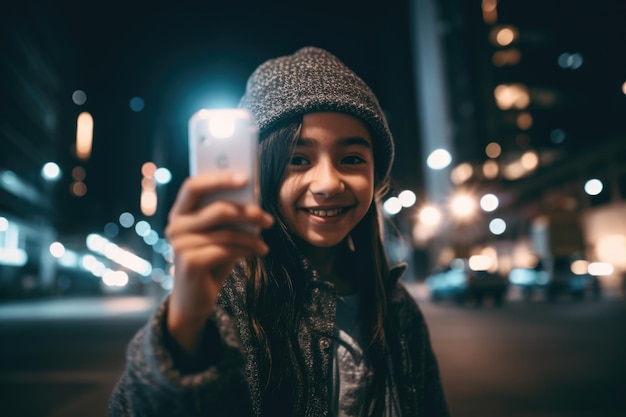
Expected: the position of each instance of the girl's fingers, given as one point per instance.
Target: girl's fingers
(214, 255)
(199, 274)
(208, 262)
(194, 188)
(218, 215)
(231, 238)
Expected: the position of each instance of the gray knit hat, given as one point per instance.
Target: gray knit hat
(314, 80)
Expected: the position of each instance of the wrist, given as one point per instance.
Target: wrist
(195, 354)
(185, 327)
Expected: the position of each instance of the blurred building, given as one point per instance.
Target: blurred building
(47, 209)
(36, 67)
(531, 100)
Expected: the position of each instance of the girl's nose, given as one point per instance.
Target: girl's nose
(326, 180)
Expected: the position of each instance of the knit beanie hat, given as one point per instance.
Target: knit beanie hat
(314, 80)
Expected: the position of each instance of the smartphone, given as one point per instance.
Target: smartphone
(225, 140)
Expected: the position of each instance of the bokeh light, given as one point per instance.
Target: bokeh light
(461, 173)
(79, 97)
(505, 36)
(162, 175)
(489, 202)
(136, 104)
(558, 136)
(497, 226)
(142, 228)
(78, 188)
(462, 206)
(512, 96)
(439, 159)
(51, 171)
(127, 220)
(148, 169)
(593, 186)
(407, 198)
(392, 206)
(57, 249)
(78, 173)
(493, 150)
(570, 60)
(111, 229)
(430, 215)
(491, 169)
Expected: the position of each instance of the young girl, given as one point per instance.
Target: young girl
(307, 318)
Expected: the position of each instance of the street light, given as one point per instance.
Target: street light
(51, 171)
(489, 202)
(430, 215)
(462, 206)
(593, 186)
(407, 198)
(439, 159)
(392, 206)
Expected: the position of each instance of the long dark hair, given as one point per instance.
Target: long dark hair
(275, 290)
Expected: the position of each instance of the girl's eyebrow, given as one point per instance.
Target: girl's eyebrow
(343, 142)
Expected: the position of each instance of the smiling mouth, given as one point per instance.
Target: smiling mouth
(326, 213)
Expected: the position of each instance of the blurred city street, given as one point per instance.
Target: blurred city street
(62, 357)
(508, 196)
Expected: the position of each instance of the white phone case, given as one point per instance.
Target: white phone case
(225, 140)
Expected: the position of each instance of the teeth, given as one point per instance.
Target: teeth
(326, 213)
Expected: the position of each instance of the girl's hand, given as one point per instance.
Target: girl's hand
(206, 247)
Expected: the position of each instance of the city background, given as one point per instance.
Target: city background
(509, 182)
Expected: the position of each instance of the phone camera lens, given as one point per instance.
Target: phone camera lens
(222, 161)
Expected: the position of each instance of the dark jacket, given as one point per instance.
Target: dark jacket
(156, 384)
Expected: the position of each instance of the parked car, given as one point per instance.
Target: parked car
(463, 285)
(553, 278)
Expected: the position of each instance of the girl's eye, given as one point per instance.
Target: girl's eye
(353, 159)
(299, 160)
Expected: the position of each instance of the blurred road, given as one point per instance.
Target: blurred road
(565, 359)
(62, 357)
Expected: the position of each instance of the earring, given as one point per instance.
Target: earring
(351, 243)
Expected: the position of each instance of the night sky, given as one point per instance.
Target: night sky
(181, 56)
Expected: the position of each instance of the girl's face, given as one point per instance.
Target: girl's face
(329, 184)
